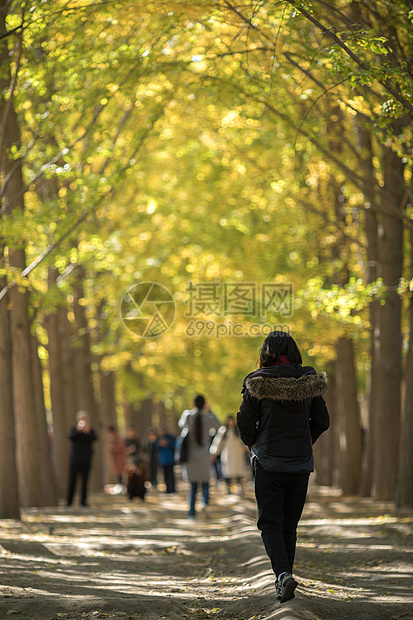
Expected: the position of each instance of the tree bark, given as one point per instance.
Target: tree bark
(387, 430)
(146, 417)
(404, 494)
(9, 497)
(325, 448)
(131, 416)
(60, 425)
(372, 273)
(108, 416)
(67, 362)
(348, 413)
(28, 449)
(163, 418)
(49, 492)
(85, 392)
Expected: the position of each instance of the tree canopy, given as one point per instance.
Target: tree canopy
(218, 149)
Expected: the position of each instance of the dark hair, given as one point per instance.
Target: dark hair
(227, 428)
(199, 401)
(277, 344)
(198, 428)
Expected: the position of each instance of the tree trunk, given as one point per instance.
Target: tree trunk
(108, 415)
(67, 362)
(131, 416)
(85, 393)
(372, 272)
(404, 495)
(49, 492)
(387, 430)
(348, 413)
(60, 425)
(9, 498)
(146, 415)
(28, 450)
(324, 448)
(163, 418)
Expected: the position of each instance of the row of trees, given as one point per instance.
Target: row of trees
(214, 143)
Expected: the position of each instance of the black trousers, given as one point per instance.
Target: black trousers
(280, 500)
(169, 477)
(77, 468)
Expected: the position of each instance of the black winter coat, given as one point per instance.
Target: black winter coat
(81, 451)
(282, 414)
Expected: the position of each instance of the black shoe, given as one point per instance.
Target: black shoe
(285, 588)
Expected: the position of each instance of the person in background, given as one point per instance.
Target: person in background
(82, 437)
(281, 415)
(197, 470)
(229, 446)
(165, 446)
(137, 477)
(118, 453)
(132, 444)
(150, 454)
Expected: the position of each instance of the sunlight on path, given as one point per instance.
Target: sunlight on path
(147, 560)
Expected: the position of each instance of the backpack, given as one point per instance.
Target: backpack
(182, 447)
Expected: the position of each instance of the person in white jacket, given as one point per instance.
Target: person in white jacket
(228, 445)
(197, 470)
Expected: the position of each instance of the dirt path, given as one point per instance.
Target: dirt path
(146, 560)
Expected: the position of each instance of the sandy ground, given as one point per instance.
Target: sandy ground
(122, 559)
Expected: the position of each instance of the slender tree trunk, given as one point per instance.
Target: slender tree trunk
(332, 448)
(108, 416)
(85, 392)
(28, 456)
(163, 418)
(131, 416)
(372, 272)
(387, 431)
(67, 363)
(29, 452)
(60, 425)
(107, 397)
(146, 415)
(28, 449)
(348, 412)
(49, 492)
(9, 497)
(404, 495)
(324, 448)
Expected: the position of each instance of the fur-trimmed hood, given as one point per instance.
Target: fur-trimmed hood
(308, 384)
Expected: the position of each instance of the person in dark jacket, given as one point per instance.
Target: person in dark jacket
(165, 446)
(281, 415)
(82, 437)
(150, 455)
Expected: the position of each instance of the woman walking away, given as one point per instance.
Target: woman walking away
(199, 423)
(230, 448)
(282, 414)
